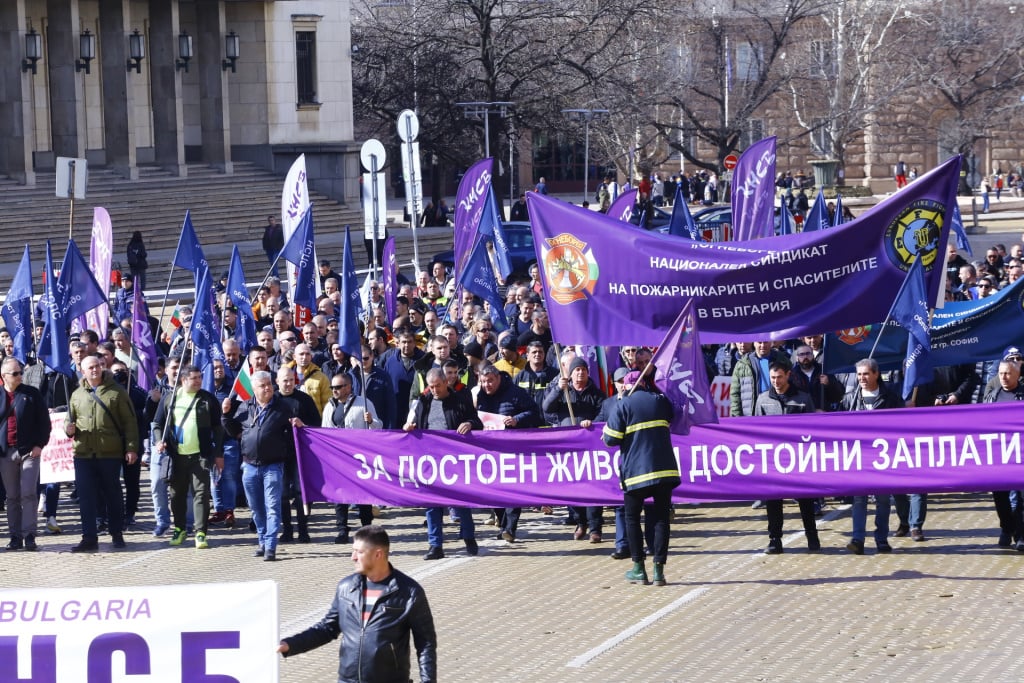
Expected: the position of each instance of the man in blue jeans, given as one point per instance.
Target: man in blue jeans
(442, 408)
(870, 394)
(263, 425)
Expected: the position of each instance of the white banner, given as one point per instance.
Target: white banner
(225, 632)
(57, 461)
(294, 202)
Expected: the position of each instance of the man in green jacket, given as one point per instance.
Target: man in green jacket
(101, 420)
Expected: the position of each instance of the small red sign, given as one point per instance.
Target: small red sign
(730, 162)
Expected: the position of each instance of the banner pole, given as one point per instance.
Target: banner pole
(565, 391)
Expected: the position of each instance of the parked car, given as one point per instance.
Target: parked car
(520, 247)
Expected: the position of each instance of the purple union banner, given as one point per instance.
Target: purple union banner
(610, 284)
(961, 448)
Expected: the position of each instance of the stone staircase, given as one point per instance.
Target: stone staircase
(226, 210)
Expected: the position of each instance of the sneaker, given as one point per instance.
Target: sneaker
(217, 518)
(471, 547)
(757, 505)
(916, 534)
(620, 554)
(435, 552)
(1020, 546)
(270, 556)
(901, 531)
(774, 547)
(51, 525)
(15, 544)
(259, 552)
(201, 543)
(178, 537)
(856, 547)
(160, 530)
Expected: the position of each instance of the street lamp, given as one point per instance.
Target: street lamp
(586, 116)
(478, 110)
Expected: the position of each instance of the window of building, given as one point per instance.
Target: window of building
(305, 67)
(823, 62)
(748, 62)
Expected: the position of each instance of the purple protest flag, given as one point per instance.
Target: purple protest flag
(351, 306)
(470, 202)
(142, 340)
(821, 454)
(681, 374)
(189, 254)
(753, 192)
(389, 278)
(817, 217)
(101, 248)
(910, 310)
(622, 208)
(682, 224)
(245, 326)
(607, 283)
(478, 278)
(299, 251)
(17, 308)
(53, 345)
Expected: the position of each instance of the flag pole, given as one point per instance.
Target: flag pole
(888, 316)
(270, 272)
(565, 391)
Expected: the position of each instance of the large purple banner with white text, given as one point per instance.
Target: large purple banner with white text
(610, 284)
(961, 448)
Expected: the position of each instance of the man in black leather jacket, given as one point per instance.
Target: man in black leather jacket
(374, 611)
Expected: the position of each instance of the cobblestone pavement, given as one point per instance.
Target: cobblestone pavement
(548, 608)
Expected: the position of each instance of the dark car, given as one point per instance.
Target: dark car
(715, 223)
(520, 247)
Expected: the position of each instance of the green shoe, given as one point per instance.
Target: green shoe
(178, 537)
(659, 574)
(638, 574)
(201, 543)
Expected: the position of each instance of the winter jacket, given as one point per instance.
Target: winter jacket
(512, 401)
(205, 411)
(30, 414)
(457, 406)
(640, 426)
(97, 432)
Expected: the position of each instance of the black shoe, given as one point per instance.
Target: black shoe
(30, 543)
(436, 552)
(471, 547)
(270, 556)
(884, 548)
(813, 545)
(1005, 541)
(259, 552)
(286, 537)
(342, 538)
(86, 547)
(252, 525)
(15, 544)
(856, 547)
(774, 547)
(620, 554)
(901, 531)
(117, 540)
(304, 538)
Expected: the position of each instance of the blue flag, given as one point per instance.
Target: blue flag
(53, 346)
(957, 225)
(837, 217)
(299, 251)
(817, 218)
(478, 278)
(205, 326)
(785, 218)
(189, 254)
(910, 310)
(682, 224)
(238, 293)
(682, 376)
(77, 289)
(490, 227)
(17, 310)
(351, 304)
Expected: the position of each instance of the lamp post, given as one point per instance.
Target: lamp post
(478, 110)
(586, 116)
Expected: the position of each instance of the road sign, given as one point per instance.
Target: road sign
(372, 151)
(408, 126)
(72, 177)
(730, 162)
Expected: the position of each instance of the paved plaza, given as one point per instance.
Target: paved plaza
(548, 608)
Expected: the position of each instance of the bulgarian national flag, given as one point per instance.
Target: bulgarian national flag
(243, 383)
(176, 317)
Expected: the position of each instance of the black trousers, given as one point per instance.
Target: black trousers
(660, 516)
(774, 510)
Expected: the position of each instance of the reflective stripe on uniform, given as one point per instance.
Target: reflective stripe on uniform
(639, 479)
(608, 431)
(650, 424)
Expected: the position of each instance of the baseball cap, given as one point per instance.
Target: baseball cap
(620, 374)
(507, 342)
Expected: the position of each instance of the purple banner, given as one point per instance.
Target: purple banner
(753, 192)
(100, 254)
(622, 208)
(610, 284)
(959, 448)
(470, 201)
